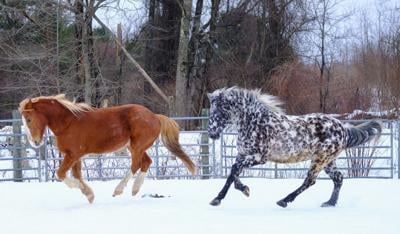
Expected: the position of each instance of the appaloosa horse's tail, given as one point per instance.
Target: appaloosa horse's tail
(170, 138)
(362, 133)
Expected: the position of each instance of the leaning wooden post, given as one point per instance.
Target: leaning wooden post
(204, 149)
(17, 147)
(130, 58)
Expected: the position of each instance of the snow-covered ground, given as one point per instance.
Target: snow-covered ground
(365, 206)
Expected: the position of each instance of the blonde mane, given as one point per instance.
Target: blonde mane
(76, 108)
(272, 102)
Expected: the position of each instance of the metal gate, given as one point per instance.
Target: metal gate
(20, 162)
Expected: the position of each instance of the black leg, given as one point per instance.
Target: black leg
(237, 168)
(309, 181)
(221, 195)
(241, 187)
(238, 184)
(337, 179)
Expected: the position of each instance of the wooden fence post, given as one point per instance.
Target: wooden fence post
(204, 149)
(17, 147)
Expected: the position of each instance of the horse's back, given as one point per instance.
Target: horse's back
(109, 129)
(316, 135)
(292, 139)
(131, 117)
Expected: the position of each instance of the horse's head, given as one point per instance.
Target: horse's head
(34, 122)
(220, 114)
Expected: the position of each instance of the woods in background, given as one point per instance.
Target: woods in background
(305, 52)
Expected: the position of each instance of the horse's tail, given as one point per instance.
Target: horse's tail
(362, 133)
(170, 138)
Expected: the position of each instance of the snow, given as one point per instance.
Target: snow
(365, 206)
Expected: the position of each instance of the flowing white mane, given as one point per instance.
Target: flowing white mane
(273, 103)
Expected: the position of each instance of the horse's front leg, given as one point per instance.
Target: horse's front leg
(77, 182)
(85, 189)
(221, 195)
(237, 168)
(66, 164)
(250, 161)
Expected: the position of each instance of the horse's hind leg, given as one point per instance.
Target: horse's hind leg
(129, 174)
(85, 189)
(140, 159)
(337, 179)
(122, 184)
(309, 181)
(145, 164)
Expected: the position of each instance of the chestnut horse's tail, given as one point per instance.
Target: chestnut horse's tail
(170, 138)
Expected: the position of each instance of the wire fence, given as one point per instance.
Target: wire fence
(20, 162)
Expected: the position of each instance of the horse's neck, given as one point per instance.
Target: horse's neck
(243, 108)
(57, 116)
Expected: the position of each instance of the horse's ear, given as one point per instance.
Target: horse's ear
(209, 95)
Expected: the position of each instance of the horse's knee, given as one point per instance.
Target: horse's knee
(243, 188)
(238, 185)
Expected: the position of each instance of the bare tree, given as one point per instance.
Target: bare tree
(326, 36)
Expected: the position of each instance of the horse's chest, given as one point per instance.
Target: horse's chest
(251, 141)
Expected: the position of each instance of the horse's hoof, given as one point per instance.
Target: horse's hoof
(328, 204)
(134, 192)
(90, 198)
(282, 203)
(215, 202)
(117, 192)
(246, 191)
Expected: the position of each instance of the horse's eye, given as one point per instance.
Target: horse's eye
(28, 120)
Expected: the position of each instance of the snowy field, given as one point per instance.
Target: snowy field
(365, 206)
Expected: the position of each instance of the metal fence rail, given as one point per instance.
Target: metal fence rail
(19, 162)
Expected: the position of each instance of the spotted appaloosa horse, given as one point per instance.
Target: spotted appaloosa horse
(80, 129)
(265, 133)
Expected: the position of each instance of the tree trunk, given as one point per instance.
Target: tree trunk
(118, 62)
(322, 67)
(80, 75)
(86, 66)
(149, 55)
(182, 99)
(195, 61)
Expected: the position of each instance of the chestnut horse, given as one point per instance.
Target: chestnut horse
(81, 129)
